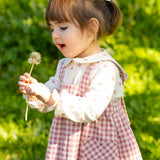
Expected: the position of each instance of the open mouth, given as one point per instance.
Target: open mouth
(61, 46)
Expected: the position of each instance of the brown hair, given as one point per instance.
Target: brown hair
(81, 11)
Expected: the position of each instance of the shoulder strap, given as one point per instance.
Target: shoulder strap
(62, 71)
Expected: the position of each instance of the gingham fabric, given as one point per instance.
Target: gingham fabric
(79, 90)
(108, 138)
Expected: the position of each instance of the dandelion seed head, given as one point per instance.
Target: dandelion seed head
(35, 57)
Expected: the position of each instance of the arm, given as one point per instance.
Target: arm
(102, 90)
(40, 95)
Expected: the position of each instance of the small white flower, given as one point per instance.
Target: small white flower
(34, 58)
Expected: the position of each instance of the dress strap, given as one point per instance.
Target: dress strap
(62, 71)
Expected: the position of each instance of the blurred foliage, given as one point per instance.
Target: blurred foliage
(135, 46)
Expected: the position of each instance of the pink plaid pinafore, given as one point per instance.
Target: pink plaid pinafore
(108, 138)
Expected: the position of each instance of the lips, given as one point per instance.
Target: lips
(60, 46)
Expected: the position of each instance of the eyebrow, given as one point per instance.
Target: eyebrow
(57, 22)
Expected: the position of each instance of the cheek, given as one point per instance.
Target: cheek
(75, 38)
(73, 43)
(52, 38)
(74, 34)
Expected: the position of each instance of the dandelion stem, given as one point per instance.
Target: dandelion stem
(26, 113)
(31, 69)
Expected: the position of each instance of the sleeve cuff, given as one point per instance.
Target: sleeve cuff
(37, 104)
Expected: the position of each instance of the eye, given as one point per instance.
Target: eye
(63, 28)
(52, 29)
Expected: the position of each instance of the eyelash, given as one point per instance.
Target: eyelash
(62, 28)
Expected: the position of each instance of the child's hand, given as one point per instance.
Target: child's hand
(23, 82)
(33, 88)
(39, 90)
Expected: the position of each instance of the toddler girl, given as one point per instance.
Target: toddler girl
(90, 121)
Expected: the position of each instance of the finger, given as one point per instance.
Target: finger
(23, 79)
(31, 79)
(22, 84)
(30, 91)
(27, 75)
(22, 90)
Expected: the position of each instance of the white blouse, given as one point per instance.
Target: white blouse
(105, 85)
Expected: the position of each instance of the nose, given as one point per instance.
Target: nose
(55, 34)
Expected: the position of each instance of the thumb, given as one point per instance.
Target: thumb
(30, 79)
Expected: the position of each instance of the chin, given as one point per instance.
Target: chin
(68, 55)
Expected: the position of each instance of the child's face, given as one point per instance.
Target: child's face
(70, 40)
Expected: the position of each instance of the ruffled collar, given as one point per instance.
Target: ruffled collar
(101, 56)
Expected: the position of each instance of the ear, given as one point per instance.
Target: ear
(94, 26)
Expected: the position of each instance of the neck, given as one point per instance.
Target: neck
(93, 49)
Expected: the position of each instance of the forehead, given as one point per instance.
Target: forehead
(57, 11)
(67, 11)
(58, 23)
(62, 11)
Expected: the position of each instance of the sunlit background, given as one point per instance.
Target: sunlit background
(136, 46)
